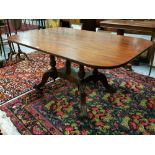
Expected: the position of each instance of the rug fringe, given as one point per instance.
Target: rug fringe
(6, 126)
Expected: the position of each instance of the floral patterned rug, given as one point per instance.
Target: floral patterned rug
(129, 111)
(18, 78)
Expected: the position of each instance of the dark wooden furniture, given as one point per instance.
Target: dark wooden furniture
(124, 25)
(97, 50)
(3, 28)
(146, 27)
(16, 24)
(2, 50)
(87, 24)
(41, 23)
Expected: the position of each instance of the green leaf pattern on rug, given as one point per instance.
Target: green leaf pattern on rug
(48, 105)
(141, 129)
(151, 127)
(93, 94)
(125, 122)
(108, 117)
(143, 103)
(123, 84)
(106, 96)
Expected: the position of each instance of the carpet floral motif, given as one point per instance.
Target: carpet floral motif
(131, 110)
(20, 77)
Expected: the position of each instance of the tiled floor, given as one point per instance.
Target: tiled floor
(142, 68)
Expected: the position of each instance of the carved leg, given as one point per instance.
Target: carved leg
(100, 77)
(19, 53)
(12, 51)
(51, 73)
(104, 81)
(81, 86)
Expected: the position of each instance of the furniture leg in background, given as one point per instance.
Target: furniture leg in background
(2, 46)
(41, 24)
(20, 52)
(2, 49)
(152, 53)
(16, 23)
(11, 45)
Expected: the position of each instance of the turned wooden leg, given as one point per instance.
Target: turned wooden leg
(101, 77)
(50, 73)
(12, 51)
(96, 76)
(81, 84)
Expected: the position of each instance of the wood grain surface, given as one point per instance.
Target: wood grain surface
(95, 49)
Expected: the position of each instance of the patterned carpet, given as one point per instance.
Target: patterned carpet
(131, 110)
(18, 78)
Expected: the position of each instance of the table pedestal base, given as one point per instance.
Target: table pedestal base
(73, 76)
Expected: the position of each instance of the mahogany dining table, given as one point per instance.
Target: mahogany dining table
(139, 26)
(86, 48)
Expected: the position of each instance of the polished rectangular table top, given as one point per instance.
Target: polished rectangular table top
(100, 50)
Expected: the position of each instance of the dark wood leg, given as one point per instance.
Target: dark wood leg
(104, 81)
(81, 86)
(96, 76)
(12, 51)
(120, 32)
(152, 52)
(13, 48)
(2, 46)
(68, 67)
(19, 53)
(51, 73)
